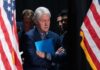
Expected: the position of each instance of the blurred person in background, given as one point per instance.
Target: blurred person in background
(62, 20)
(27, 24)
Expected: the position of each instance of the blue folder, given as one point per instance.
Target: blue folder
(45, 46)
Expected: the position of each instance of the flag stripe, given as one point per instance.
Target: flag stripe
(95, 14)
(87, 52)
(93, 23)
(10, 44)
(94, 59)
(97, 5)
(93, 51)
(1, 63)
(6, 42)
(8, 35)
(11, 35)
(92, 32)
(7, 55)
(91, 29)
(4, 58)
(91, 43)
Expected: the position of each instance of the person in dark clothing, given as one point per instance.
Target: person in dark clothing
(38, 60)
(27, 24)
(62, 20)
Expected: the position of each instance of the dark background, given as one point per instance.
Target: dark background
(55, 6)
(77, 10)
(76, 56)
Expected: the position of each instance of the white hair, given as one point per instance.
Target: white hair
(41, 11)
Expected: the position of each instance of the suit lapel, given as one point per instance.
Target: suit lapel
(37, 36)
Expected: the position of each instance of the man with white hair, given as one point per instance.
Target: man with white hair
(39, 60)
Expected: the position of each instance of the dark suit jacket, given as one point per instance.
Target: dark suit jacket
(31, 60)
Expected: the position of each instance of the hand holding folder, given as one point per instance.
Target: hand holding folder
(45, 46)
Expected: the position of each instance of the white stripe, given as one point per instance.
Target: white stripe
(96, 3)
(93, 23)
(91, 42)
(1, 64)
(8, 26)
(6, 49)
(15, 67)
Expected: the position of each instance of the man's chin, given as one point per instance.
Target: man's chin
(45, 30)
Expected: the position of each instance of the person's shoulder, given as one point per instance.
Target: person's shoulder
(30, 32)
(53, 34)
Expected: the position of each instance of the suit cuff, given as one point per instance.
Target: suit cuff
(48, 56)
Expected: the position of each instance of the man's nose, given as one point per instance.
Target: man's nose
(46, 24)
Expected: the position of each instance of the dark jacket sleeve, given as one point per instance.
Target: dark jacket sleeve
(57, 44)
(58, 58)
(30, 53)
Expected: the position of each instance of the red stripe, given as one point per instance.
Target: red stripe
(92, 31)
(17, 63)
(92, 55)
(95, 14)
(4, 58)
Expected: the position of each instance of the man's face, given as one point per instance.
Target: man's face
(62, 21)
(44, 23)
(27, 21)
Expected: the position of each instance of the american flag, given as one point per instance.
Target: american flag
(91, 35)
(9, 49)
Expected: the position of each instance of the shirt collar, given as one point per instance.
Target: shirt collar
(42, 34)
